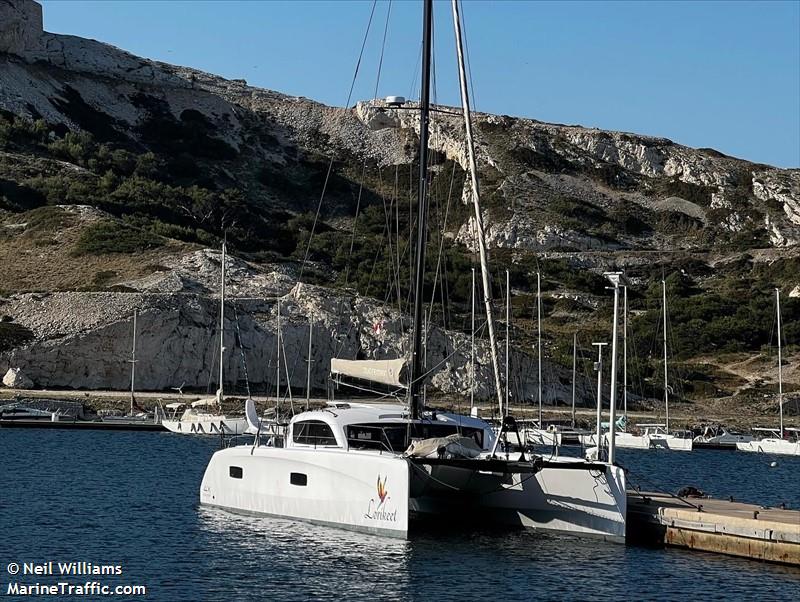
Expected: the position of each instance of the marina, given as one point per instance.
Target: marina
(400, 347)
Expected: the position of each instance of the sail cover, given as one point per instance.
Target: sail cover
(387, 372)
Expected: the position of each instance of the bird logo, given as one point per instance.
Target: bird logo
(382, 491)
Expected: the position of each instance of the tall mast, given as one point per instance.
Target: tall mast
(479, 232)
(133, 365)
(308, 372)
(615, 278)
(539, 341)
(599, 367)
(625, 355)
(574, 370)
(780, 367)
(472, 348)
(422, 211)
(508, 338)
(666, 382)
(221, 324)
(278, 353)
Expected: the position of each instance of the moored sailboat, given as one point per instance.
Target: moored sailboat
(205, 416)
(781, 440)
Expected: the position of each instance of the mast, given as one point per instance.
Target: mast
(472, 348)
(539, 341)
(614, 277)
(422, 211)
(574, 370)
(666, 382)
(308, 372)
(133, 365)
(599, 367)
(625, 355)
(221, 324)
(508, 337)
(780, 367)
(278, 353)
(479, 232)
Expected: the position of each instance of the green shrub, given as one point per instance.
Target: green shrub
(108, 236)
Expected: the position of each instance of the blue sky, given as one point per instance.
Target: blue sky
(724, 75)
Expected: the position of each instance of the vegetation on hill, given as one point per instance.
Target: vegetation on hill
(177, 180)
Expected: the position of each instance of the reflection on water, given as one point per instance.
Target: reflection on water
(301, 560)
(132, 498)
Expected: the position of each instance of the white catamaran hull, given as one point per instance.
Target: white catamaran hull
(577, 501)
(356, 491)
(379, 493)
(211, 425)
(771, 446)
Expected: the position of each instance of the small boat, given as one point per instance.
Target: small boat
(653, 436)
(136, 416)
(784, 441)
(771, 442)
(718, 437)
(204, 416)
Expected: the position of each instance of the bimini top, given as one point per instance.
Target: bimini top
(387, 372)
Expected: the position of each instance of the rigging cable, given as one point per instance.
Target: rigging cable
(333, 156)
(241, 349)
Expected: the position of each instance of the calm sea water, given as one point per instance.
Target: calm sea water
(131, 499)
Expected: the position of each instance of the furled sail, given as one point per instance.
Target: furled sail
(387, 372)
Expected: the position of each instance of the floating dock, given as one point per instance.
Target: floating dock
(715, 525)
(96, 425)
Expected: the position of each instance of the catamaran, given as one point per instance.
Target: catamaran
(376, 468)
(781, 440)
(204, 416)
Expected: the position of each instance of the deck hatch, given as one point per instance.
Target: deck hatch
(298, 478)
(235, 472)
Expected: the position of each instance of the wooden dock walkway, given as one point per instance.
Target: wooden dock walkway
(715, 525)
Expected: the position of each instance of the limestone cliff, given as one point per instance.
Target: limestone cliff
(117, 173)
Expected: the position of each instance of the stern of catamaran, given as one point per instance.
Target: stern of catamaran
(566, 495)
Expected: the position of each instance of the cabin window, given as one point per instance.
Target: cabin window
(397, 437)
(235, 472)
(298, 478)
(313, 432)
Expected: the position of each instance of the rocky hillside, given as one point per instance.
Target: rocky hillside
(117, 173)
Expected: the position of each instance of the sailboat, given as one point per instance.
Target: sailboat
(135, 415)
(377, 468)
(537, 434)
(204, 416)
(774, 440)
(653, 435)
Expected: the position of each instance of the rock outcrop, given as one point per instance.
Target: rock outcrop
(178, 342)
(20, 27)
(16, 379)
